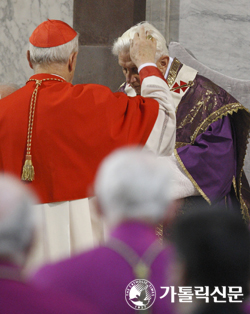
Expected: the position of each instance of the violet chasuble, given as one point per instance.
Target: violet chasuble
(211, 138)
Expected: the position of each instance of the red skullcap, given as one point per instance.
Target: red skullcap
(52, 33)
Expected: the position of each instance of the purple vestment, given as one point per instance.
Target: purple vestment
(212, 131)
(101, 275)
(211, 141)
(16, 296)
(211, 161)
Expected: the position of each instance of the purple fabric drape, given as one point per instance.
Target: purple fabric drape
(211, 160)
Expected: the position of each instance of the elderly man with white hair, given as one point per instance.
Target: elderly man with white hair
(54, 134)
(211, 132)
(18, 223)
(134, 193)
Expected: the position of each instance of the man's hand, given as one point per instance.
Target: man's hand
(142, 49)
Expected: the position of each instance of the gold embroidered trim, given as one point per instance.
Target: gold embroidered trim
(141, 265)
(191, 178)
(175, 66)
(235, 187)
(159, 232)
(123, 84)
(223, 111)
(244, 208)
(192, 114)
(180, 144)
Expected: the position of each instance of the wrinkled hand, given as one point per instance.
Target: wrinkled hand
(142, 50)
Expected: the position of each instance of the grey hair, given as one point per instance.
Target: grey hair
(17, 219)
(58, 54)
(133, 184)
(122, 44)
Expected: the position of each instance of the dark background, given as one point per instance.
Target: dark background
(99, 23)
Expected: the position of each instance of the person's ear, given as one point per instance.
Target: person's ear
(72, 61)
(162, 64)
(28, 58)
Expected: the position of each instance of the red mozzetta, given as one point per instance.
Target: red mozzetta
(75, 127)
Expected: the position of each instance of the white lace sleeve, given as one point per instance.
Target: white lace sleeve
(183, 187)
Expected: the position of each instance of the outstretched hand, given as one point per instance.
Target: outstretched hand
(142, 48)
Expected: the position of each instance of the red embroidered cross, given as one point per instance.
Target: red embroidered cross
(176, 88)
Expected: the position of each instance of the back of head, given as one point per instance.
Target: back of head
(7, 89)
(52, 42)
(122, 43)
(17, 220)
(133, 184)
(214, 246)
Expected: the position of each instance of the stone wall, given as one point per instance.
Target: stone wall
(215, 32)
(18, 20)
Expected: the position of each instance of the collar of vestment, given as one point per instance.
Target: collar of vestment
(44, 76)
(132, 231)
(180, 78)
(126, 241)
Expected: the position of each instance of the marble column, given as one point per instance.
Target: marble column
(157, 13)
(99, 23)
(18, 20)
(216, 32)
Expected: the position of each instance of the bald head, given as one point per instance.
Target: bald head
(7, 89)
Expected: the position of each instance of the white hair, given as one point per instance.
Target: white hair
(17, 219)
(58, 54)
(133, 184)
(7, 89)
(122, 43)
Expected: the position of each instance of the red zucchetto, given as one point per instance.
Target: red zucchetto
(52, 33)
